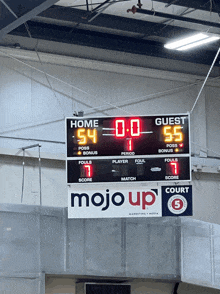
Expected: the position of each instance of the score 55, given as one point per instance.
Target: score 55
(173, 134)
(84, 135)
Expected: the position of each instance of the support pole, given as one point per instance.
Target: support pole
(40, 174)
(22, 188)
(39, 160)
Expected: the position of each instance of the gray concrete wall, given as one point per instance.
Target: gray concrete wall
(41, 239)
(22, 285)
(200, 253)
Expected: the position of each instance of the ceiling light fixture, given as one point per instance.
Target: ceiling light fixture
(190, 42)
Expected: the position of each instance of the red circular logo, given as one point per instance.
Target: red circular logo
(177, 204)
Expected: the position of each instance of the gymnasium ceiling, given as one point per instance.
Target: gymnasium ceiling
(134, 26)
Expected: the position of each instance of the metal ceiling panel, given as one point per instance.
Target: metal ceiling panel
(211, 6)
(115, 29)
(89, 38)
(106, 21)
(15, 13)
(178, 17)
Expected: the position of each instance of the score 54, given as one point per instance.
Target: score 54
(84, 134)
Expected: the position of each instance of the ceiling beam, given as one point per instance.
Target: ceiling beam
(112, 22)
(15, 13)
(196, 4)
(110, 42)
(178, 17)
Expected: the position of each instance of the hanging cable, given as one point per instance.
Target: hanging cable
(97, 108)
(211, 6)
(153, 95)
(35, 49)
(46, 74)
(59, 92)
(49, 75)
(8, 7)
(113, 105)
(74, 87)
(213, 63)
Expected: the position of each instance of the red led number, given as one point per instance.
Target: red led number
(88, 170)
(135, 127)
(132, 127)
(130, 145)
(174, 168)
(120, 128)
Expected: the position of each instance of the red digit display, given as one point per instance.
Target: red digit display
(120, 128)
(174, 168)
(123, 126)
(130, 145)
(88, 170)
(135, 127)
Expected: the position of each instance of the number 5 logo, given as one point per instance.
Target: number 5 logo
(177, 204)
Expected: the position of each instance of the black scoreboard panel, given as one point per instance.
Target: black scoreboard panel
(128, 136)
(158, 169)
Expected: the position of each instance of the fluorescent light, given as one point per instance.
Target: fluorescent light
(190, 42)
(185, 41)
(208, 40)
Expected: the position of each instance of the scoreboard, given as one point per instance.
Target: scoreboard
(126, 136)
(128, 170)
(119, 149)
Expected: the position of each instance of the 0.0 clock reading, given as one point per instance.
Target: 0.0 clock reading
(127, 136)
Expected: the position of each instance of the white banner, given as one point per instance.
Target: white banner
(113, 202)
